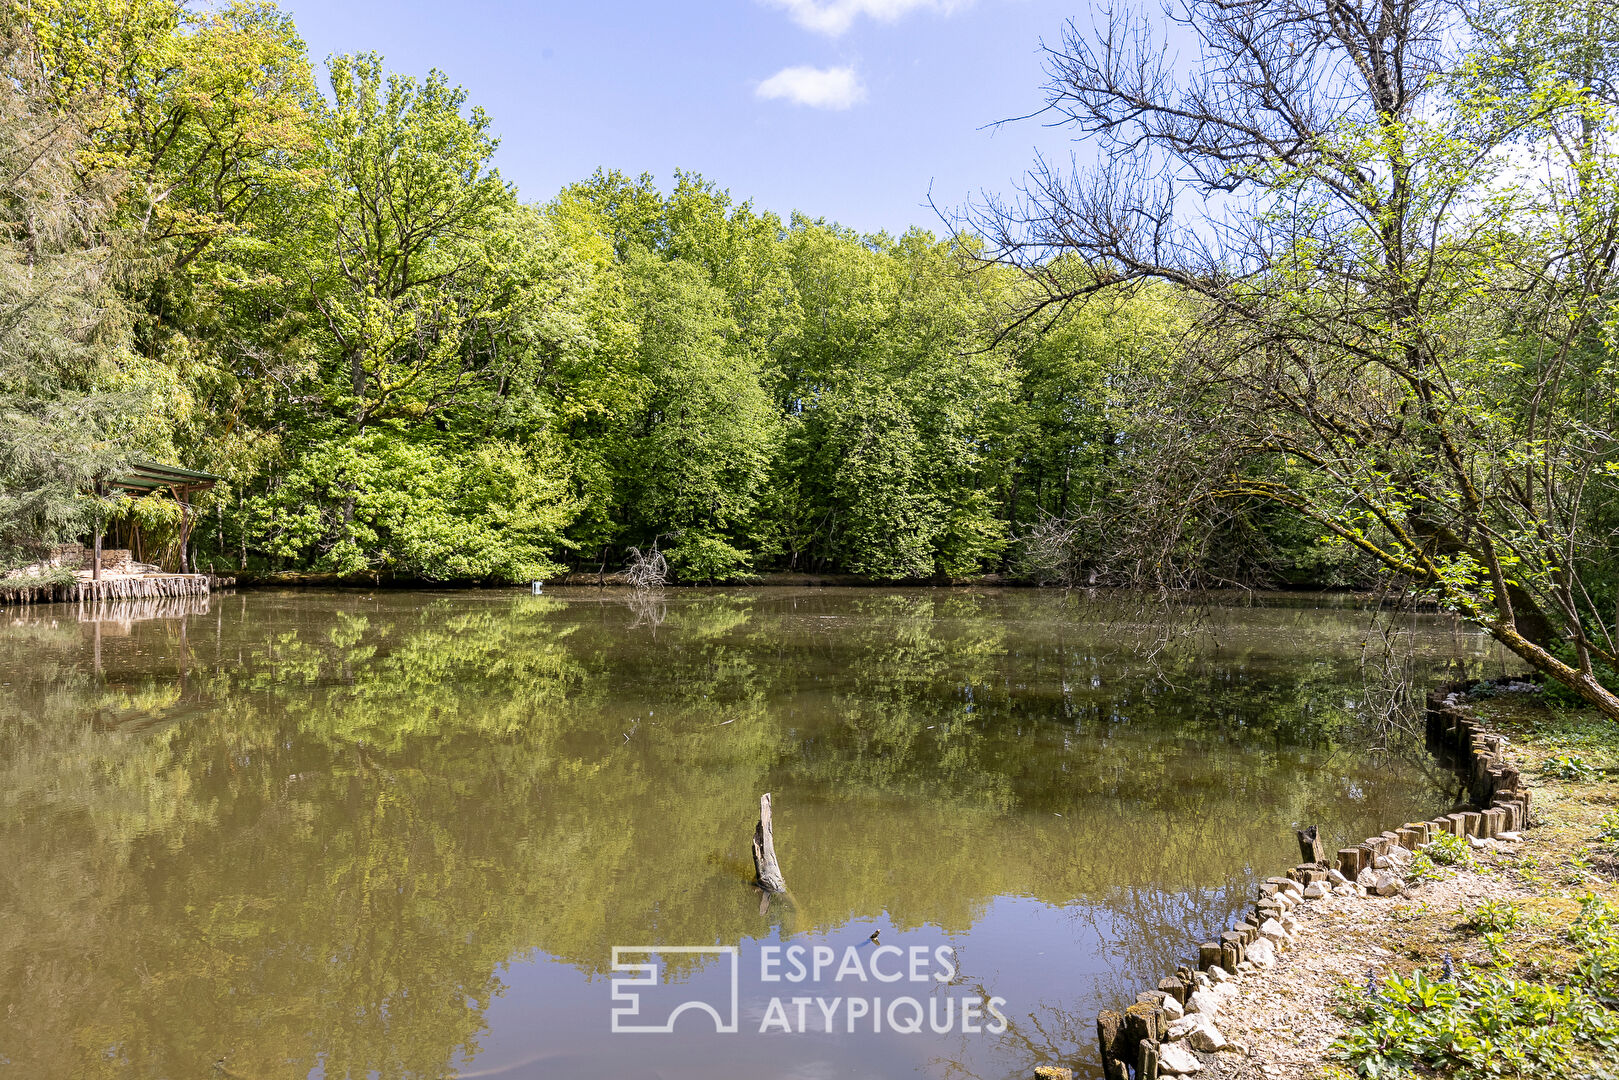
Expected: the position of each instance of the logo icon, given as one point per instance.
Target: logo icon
(643, 978)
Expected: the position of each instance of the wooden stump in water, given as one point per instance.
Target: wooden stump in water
(1311, 850)
(1147, 1061)
(764, 851)
(1111, 1040)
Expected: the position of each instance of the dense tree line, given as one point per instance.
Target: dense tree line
(323, 291)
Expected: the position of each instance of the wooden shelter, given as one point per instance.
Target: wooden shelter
(145, 477)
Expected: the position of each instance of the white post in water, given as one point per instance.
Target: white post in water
(536, 586)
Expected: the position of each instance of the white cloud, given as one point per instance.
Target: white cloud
(835, 16)
(819, 88)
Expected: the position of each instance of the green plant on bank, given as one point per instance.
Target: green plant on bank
(1475, 1025)
(1496, 916)
(1609, 827)
(1595, 932)
(1571, 729)
(1570, 767)
(1492, 920)
(58, 576)
(1412, 912)
(1446, 849)
(1421, 869)
(1528, 868)
(1496, 943)
(1578, 867)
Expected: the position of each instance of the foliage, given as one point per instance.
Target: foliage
(1596, 933)
(60, 319)
(1445, 849)
(334, 301)
(1448, 849)
(380, 502)
(1475, 1025)
(1400, 291)
(57, 576)
(1569, 767)
(1422, 868)
(1495, 916)
(329, 296)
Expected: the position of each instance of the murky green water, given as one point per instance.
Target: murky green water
(339, 835)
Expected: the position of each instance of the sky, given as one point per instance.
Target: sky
(851, 110)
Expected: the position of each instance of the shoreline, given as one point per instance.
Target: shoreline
(617, 582)
(1300, 1012)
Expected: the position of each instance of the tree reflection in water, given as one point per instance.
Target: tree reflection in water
(326, 832)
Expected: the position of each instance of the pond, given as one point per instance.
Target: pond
(401, 834)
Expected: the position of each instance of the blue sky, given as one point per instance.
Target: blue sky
(845, 109)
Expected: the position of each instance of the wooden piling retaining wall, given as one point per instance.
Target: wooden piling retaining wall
(143, 587)
(1130, 1040)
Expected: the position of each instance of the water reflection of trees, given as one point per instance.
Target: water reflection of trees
(309, 831)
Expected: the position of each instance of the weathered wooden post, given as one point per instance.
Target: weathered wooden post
(1110, 1040)
(764, 851)
(95, 565)
(1311, 850)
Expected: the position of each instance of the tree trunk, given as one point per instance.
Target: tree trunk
(1605, 700)
(95, 559)
(764, 851)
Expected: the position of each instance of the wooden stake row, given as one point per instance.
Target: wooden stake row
(143, 587)
(1129, 1040)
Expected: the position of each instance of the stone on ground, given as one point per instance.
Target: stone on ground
(1184, 1027)
(1206, 1037)
(1175, 1060)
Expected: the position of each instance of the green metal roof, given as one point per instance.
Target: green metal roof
(148, 476)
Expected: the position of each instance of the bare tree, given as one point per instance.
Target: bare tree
(1394, 224)
(647, 569)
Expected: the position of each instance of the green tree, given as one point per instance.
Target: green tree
(891, 397)
(697, 454)
(63, 330)
(408, 193)
(1402, 311)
